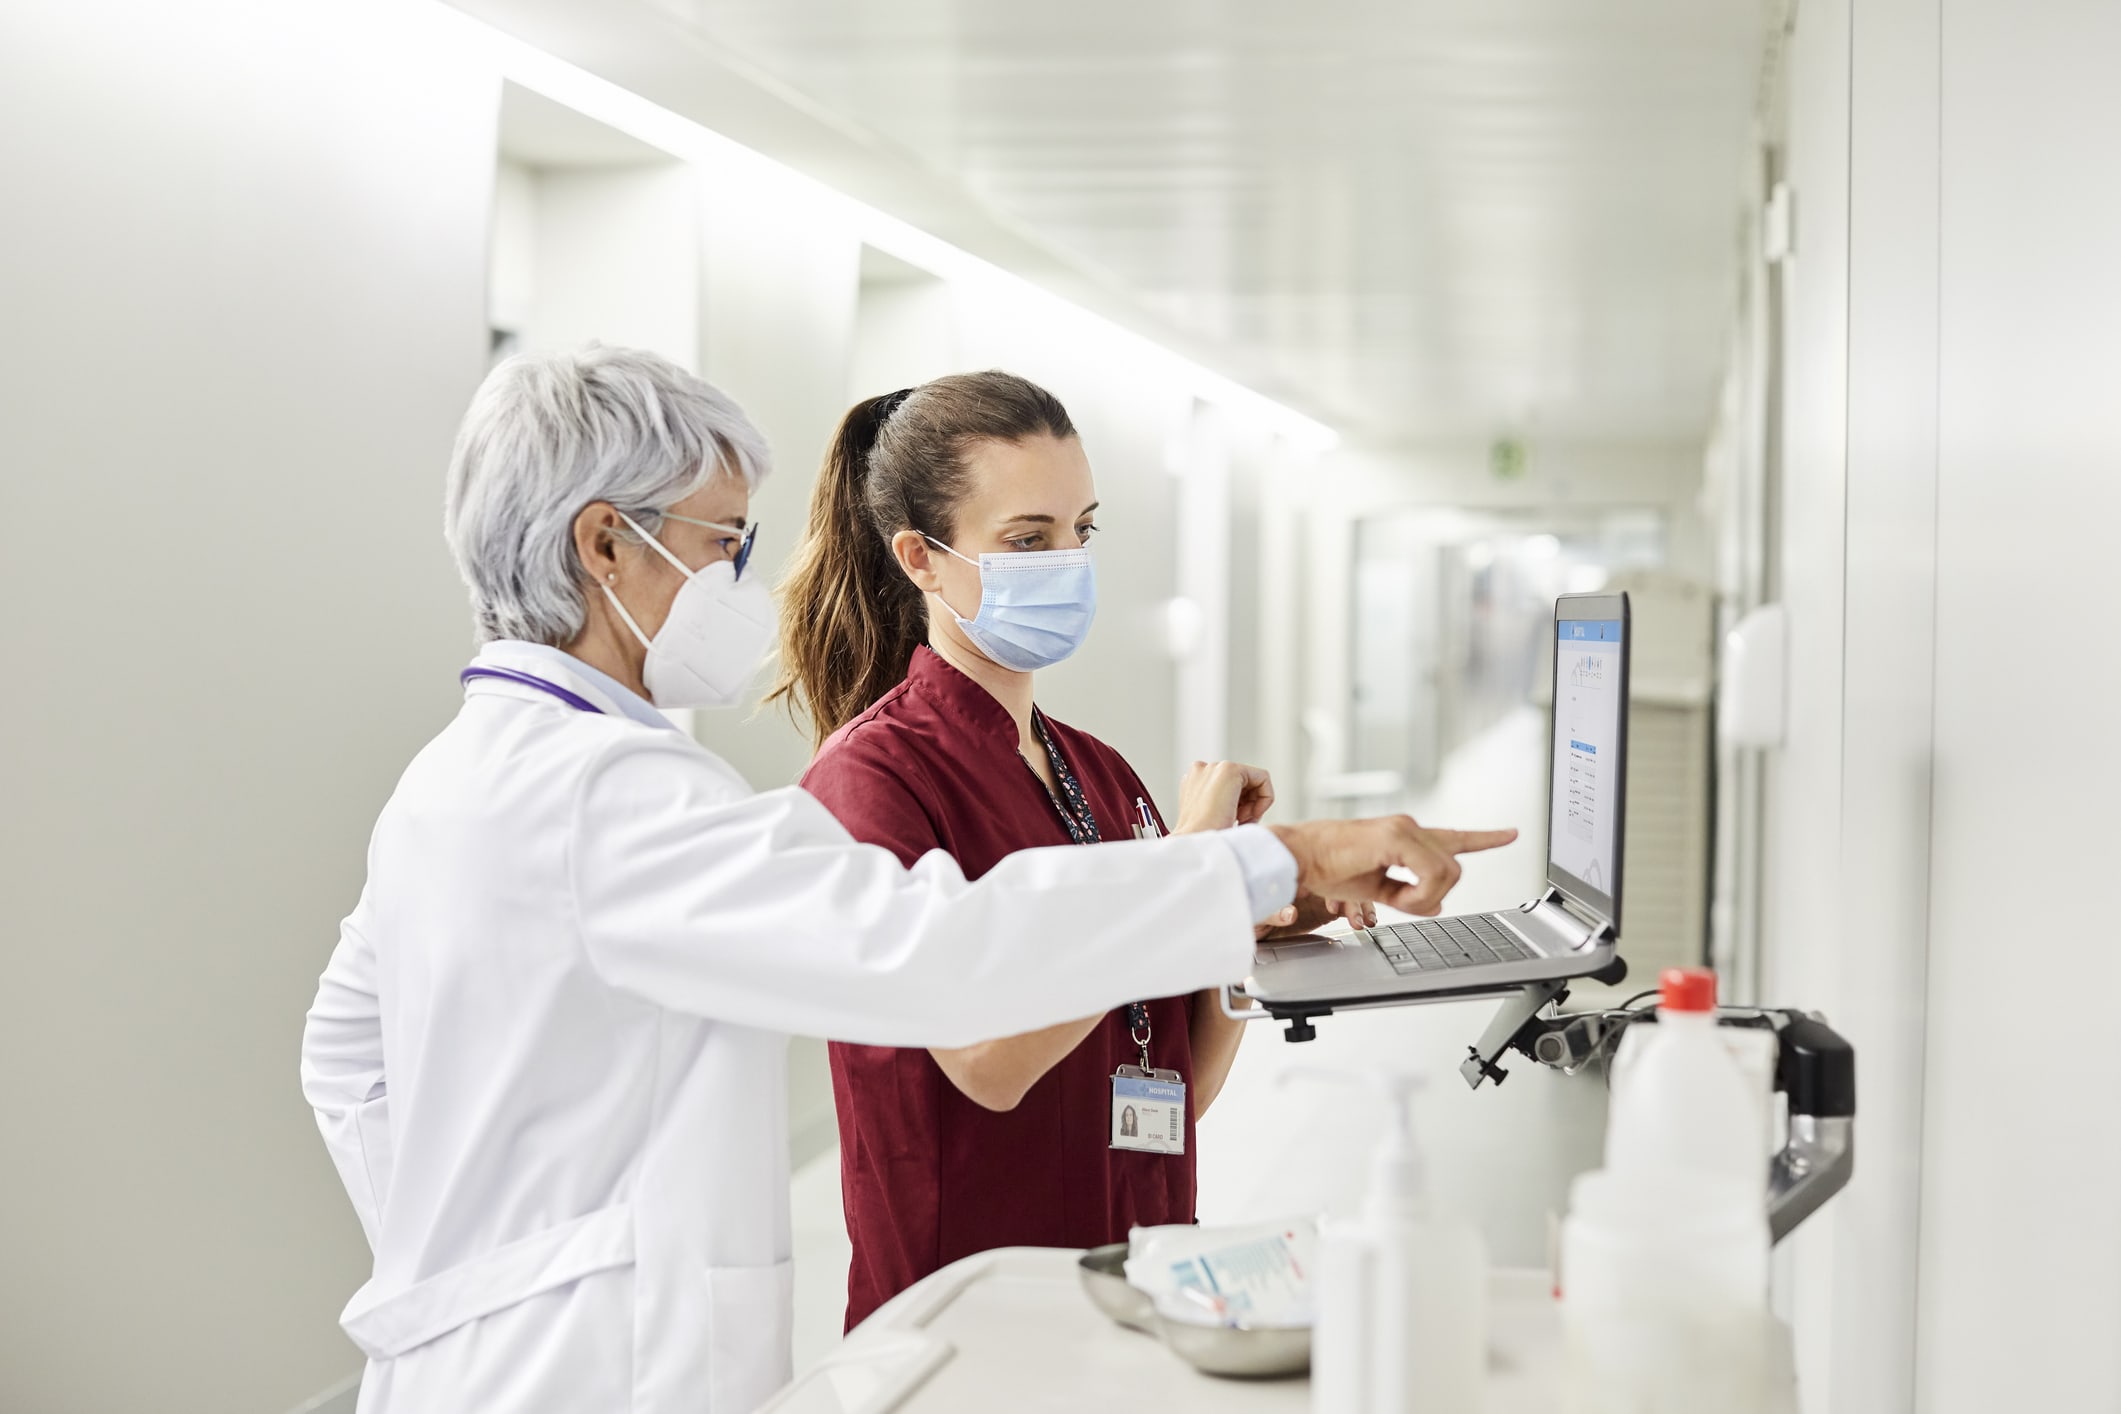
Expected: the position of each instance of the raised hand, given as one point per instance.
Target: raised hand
(1216, 795)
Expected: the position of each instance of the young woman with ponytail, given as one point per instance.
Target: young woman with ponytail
(944, 563)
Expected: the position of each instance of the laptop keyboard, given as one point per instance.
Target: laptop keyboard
(1435, 944)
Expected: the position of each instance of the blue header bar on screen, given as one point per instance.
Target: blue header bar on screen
(1588, 630)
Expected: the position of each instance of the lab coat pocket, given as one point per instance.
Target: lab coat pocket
(749, 1320)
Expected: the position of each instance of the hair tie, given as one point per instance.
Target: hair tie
(890, 405)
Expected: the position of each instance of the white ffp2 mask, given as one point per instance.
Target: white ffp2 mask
(711, 641)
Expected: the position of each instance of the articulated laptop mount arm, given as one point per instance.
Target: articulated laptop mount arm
(1519, 1024)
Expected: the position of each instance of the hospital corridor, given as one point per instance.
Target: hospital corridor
(965, 707)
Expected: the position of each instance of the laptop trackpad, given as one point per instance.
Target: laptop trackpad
(1296, 948)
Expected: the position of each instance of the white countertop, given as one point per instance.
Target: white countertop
(1012, 1329)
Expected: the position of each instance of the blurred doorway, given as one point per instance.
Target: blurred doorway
(1452, 611)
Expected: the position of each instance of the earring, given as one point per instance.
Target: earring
(612, 578)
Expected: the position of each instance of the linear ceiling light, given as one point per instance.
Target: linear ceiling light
(630, 113)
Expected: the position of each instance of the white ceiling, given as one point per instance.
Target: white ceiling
(1420, 219)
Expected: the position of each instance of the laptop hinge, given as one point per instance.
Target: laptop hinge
(1597, 927)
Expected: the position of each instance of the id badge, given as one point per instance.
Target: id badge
(1148, 1110)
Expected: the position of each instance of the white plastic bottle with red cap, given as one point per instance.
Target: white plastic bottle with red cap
(1680, 1099)
(1664, 1255)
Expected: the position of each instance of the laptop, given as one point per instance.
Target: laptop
(1572, 928)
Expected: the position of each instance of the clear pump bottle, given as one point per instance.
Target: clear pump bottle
(1402, 1298)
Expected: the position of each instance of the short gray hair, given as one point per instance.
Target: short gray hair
(551, 433)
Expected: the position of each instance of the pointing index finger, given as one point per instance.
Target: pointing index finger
(1471, 841)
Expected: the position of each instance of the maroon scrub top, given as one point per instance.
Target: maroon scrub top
(927, 1175)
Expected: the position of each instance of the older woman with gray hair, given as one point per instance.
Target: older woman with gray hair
(548, 1053)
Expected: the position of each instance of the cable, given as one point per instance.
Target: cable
(1619, 1018)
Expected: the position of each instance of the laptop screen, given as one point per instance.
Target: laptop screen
(1590, 725)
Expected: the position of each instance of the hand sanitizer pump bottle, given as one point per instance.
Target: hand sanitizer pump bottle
(1402, 1295)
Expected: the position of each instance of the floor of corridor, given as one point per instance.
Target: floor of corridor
(1278, 1142)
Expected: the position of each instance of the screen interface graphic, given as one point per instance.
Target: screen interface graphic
(1586, 749)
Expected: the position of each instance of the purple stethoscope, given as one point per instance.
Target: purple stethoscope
(579, 703)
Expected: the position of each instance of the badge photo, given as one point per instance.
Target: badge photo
(1149, 1110)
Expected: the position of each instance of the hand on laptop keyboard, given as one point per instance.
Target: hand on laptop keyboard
(1314, 913)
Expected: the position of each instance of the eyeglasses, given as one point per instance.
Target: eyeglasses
(749, 533)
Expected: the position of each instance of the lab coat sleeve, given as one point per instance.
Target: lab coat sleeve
(1269, 869)
(764, 911)
(342, 1072)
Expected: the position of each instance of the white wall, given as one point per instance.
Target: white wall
(2021, 1235)
(1267, 640)
(1945, 800)
(241, 269)
(1847, 864)
(1889, 631)
(512, 248)
(1203, 462)
(905, 329)
(1737, 500)
(1800, 923)
(616, 260)
(779, 285)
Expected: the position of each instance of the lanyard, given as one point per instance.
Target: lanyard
(1070, 804)
(1074, 809)
(579, 703)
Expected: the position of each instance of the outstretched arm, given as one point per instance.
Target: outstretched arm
(763, 911)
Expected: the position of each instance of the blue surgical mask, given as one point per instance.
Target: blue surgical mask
(1035, 606)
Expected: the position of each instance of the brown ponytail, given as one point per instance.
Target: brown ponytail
(850, 617)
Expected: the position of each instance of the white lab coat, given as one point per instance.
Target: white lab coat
(549, 1052)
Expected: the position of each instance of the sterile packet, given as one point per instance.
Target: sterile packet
(1255, 1273)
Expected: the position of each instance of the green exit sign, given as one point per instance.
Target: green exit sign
(1506, 459)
